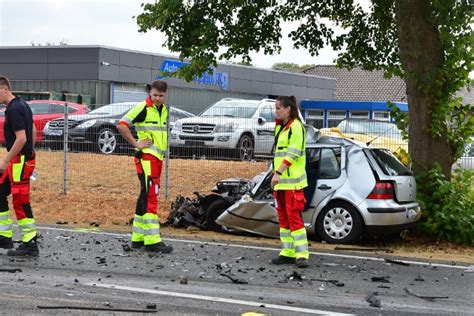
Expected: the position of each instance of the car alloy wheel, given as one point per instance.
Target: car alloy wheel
(245, 148)
(339, 222)
(107, 141)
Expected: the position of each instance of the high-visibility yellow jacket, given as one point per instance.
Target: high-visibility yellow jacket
(290, 145)
(150, 123)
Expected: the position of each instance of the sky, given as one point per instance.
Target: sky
(108, 23)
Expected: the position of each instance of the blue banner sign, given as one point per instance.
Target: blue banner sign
(220, 79)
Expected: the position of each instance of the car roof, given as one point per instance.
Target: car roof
(335, 141)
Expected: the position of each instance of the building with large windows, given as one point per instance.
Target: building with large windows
(109, 75)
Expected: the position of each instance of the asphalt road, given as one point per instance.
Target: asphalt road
(91, 274)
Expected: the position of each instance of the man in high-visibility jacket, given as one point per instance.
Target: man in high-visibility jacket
(288, 181)
(16, 168)
(150, 119)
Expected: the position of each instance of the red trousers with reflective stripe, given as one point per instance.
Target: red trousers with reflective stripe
(147, 201)
(289, 205)
(18, 187)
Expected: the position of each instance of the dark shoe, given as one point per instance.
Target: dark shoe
(25, 249)
(302, 263)
(283, 260)
(137, 244)
(158, 248)
(6, 243)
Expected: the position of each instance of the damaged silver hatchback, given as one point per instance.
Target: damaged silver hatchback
(353, 190)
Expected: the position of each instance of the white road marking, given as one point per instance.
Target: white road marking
(420, 263)
(218, 299)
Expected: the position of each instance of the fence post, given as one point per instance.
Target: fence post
(65, 147)
(167, 155)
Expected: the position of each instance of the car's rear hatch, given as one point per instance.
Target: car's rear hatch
(389, 168)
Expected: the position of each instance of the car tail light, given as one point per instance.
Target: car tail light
(382, 191)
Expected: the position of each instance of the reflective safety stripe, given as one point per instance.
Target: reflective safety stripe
(6, 224)
(280, 154)
(295, 151)
(138, 219)
(299, 237)
(27, 228)
(5, 216)
(301, 248)
(24, 226)
(287, 244)
(5, 228)
(137, 230)
(292, 181)
(151, 221)
(151, 231)
(150, 128)
(159, 151)
(301, 243)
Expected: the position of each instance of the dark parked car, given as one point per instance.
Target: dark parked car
(96, 130)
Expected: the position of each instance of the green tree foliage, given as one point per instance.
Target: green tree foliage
(62, 42)
(448, 206)
(429, 43)
(291, 67)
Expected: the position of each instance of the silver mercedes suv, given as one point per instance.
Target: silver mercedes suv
(243, 127)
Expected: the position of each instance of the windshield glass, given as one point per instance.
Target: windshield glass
(241, 108)
(389, 164)
(112, 109)
(370, 127)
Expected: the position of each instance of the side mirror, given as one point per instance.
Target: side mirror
(261, 120)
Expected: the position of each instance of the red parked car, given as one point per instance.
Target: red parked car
(43, 112)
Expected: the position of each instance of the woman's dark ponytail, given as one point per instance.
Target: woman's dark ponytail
(290, 102)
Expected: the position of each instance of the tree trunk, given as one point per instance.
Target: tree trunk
(421, 56)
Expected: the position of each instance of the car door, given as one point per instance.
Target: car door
(265, 130)
(325, 171)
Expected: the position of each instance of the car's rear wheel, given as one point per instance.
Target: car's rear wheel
(340, 223)
(107, 141)
(245, 148)
(214, 210)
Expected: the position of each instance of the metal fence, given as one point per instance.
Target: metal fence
(94, 165)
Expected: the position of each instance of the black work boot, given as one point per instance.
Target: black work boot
(302, 263)
(137, 244)
(6, 243)
(160, 247)
(25, 249)
(282, 260)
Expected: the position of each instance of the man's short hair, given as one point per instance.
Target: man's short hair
(4, 82)
(159, 85)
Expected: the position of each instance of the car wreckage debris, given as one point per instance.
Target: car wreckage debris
(382, 279)
(374, 300)
(236, 281)
(396, 262)
(187, 212)
(87, 308)
(14, 270)
(429, 298)
(335, 282)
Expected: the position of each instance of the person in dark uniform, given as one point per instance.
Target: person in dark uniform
(16, 168)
